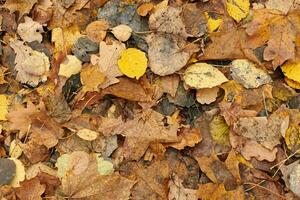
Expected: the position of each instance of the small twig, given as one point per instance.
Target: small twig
(143, 32)
(27, 133)
(265, 105)
(283, 161)
(264, 188)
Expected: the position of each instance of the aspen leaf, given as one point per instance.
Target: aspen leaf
(291, 83)
(3, 107)
(213, 22)
(238, 9)
(247, 74)
(292, 71)
(219, 130)
(20, 173)
(87, 134)
(133, 63)
(104, 167)
(122, 32)
(71, 65)
(30, 30)
(202, 75)
(207, 95)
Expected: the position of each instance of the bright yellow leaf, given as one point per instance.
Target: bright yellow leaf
(292, 137)
(3, 107)
(292, 84)
(213, 22)
(238, 9)
(292, 71)
(219, 130)
(133, 63)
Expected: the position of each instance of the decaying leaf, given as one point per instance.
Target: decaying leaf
(87, 134)
(207, 95)
(188, 138)
(3, 107)
(247, 74)
(30, 30)
(96, 31)
(19, 173)
(31, 189)
(32, 66)
(281, 5)
(133, 63)
(108, 62)
(71, 65)
(165, 54)
(122, 32)
(23, 6)
(202, 75)
(91, 77)
(179, 192)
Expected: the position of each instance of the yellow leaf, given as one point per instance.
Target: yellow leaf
(292, 137)
(292, 84)
(87, 134)
(71, 65)
(20, 173)
(15, 149)
(292, 71)
(233, 91)
(213, 22)
(202, 75)
(238, 9)
(91, 76)
(3, 107)
(219, 130)
(133, 63)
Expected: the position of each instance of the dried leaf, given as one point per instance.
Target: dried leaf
(19, 173)
(3, 107)
(247, 74)
(87, 134)
(188, 138)
(30, 30)
(23, 6)
(91, 77)
(202, 75)
(133, 63)
(145, 9)
(70, 66)
(281, 5)
(31, 190)
(96, 31)
(108, 62)
(122, 32)
(165, 54)
(207, 95)
(179, 192)
(292, 71)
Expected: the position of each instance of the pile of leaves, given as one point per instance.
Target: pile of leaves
(156, 100)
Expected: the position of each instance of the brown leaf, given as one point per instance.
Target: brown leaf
(96, 31)
(179, 192)
(166, 53)
(23, 6)
(211, 191)
(31, 190)
(188, 138)
(127, 89)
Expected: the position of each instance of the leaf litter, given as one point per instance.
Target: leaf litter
(174, 100)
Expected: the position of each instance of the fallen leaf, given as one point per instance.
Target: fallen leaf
(31, 190)
(145, 9)
(3, 107)
(19, 173)
(8, 171)
(292, 71)
(128, 89)
(30, 30)
(122, 32)
(281, 5)
(211, 191)
(15, 150)
(108, 61)
(104, 167)
(87, 134)
(238, 9)
(165, 54)
(96, 31)
(23, 6)
(291, 176)
(71, 65)
(249, 75)
(167, 20)
(207, 95)
(179, 192)
(213, 22)
(202, 75)
(32, 66)
(188, 138)
(133, 63)
(219, 130)
(91, 77)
